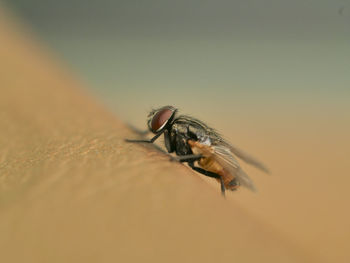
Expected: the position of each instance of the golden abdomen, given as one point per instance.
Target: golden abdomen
(209, 163)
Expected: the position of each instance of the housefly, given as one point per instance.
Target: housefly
(201, 147)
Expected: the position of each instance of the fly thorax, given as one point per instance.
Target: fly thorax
(206, 141)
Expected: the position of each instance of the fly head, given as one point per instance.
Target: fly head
(160, 118)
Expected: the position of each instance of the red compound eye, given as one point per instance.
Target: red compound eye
(160, 119)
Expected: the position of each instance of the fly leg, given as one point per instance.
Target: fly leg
(222, 186)
(145, 141)
(186, 158)
(205, 172)
(209, 174)
(137, 130)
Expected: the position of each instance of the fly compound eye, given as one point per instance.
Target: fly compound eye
(160, 119)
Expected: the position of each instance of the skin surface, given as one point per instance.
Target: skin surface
(71, 189)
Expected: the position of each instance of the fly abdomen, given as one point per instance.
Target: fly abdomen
(233, 185)
(211, 165)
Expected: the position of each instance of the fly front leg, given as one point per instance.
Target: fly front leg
(137, 130)
(145, 141)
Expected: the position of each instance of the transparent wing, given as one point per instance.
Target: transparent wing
(217, 139)
(225, 158)
(247, 157)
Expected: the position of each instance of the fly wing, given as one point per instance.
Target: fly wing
(246, 157)
(217, 139)
(225, 158)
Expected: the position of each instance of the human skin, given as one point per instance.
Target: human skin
(72, 190)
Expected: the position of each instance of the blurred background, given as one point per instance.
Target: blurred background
(207, 57)
(272, 76)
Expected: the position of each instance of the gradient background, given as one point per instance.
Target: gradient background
(272, 76)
